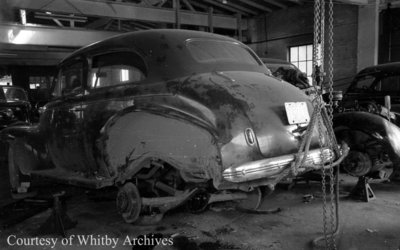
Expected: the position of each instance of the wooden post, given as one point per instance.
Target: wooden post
(210, 20)
(177, 5)
(239, 26)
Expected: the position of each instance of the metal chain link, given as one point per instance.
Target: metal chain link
(318, 41)
(319, 46)
(317, 22)
(322, 38)
(330, 114)
(323, 180)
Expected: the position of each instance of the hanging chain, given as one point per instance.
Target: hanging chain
(317, 22)
(322, 39)
(318, 43)
(318, 66)
(330, 114)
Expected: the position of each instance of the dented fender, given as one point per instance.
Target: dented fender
(371, 125)
(130, 139)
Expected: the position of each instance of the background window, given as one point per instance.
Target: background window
(116, 68)
(302, 57)
(6, 81)
(40, 82)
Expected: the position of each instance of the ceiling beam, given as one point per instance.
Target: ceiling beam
(298, 2)
(32, 55)
(127, 11)
(357, 2)
(216, 5)
(98, 23)
(276, 3)
(256, 5)
(50, 36)
(198, 5)
(188, 5)
(232, 7)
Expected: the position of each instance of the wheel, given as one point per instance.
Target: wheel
(129, 202)
(357, 163)
(253, 202)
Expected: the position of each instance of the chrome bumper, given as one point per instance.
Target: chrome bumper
(267, 168)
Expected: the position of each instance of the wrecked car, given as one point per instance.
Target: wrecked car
(369, 121)
(287, 71)
(15, 107)
(169, 117)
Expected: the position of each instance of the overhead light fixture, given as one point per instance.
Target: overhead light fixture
(224, 1)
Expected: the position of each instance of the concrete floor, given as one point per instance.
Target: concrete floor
(364, 226)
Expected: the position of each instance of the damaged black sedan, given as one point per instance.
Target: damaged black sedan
(169, 117)
(15, 107)
(369, 120)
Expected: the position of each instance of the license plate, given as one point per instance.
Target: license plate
(297, 112)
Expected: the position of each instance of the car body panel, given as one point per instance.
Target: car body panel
(189, 111)
(14, 106)
(364, 120)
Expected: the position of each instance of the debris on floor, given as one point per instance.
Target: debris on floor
(308, 198)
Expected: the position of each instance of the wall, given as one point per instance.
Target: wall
(389, 39)
(272, 35)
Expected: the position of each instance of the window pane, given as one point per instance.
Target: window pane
(303, 66)
(391, 84)
(210, 51)
(294, 55)
(302, 53)
(309, 52)
(309, 68)
(116, 68)
(70, 78)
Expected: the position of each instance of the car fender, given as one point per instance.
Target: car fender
(370, 125)
(29, 139)
(26, 153)
(133, 137)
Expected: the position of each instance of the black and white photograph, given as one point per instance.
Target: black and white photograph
(200, 124)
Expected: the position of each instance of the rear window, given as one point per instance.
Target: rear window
(213, 51)
(13, 94)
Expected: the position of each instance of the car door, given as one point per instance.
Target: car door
(112, 78)
(66, 142)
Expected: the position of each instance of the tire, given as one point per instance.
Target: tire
(129, 202)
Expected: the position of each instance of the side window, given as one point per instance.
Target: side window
(69, 79)
(116, 68)
(390, 84)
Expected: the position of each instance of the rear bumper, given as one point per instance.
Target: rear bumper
(271, 167)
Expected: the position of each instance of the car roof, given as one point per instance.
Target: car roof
(168, 35)
(15, 87)
(274, 63)
(274, 60)
(381, 68)
(166, 54)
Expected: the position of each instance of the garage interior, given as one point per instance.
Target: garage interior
(37, 35)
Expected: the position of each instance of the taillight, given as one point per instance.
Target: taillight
(250, 136)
